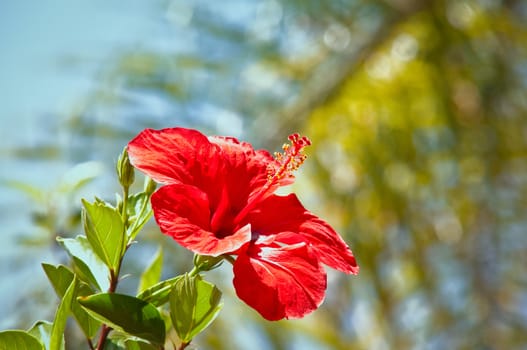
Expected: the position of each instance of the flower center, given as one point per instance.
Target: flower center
(287, 162)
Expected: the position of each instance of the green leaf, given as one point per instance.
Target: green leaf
(159, 293)
(88, 324)
(104, 229)
(138, 345)
(31, 191)
(42, 331)
(79, 176)
(89, 267)
(139, 212)
(56, 341)
(152, 273)
(60, 277)
(86, 275)
(19, 340)
(127, 344)
(127, 314)
(194, 304)
(110, 344)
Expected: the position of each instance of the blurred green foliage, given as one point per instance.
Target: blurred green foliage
(420, 157)
(418, 115)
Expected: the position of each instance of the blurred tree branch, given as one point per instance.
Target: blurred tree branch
(326, 76)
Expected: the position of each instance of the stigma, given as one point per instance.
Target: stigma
(286, 163)
(289, 160)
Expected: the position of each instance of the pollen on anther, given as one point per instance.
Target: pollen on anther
(290, 160)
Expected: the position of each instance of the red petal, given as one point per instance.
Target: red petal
(279, 277)
(182, 212)
(250, 166)
(278, 214)
(176, 155)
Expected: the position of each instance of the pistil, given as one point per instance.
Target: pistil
(288, 161)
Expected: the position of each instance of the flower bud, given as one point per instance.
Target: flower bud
(150, 186)
(125, 170)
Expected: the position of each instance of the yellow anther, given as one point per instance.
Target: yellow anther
(290, 160)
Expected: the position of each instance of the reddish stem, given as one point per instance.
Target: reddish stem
(104, 334)
(105, 329)
(183, 346)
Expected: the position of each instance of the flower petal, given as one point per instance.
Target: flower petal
(176, 155)
(182, 212)
(279, 277)
(251, 167)
(278, 214)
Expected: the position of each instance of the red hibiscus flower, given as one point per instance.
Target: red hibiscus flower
(218, 199)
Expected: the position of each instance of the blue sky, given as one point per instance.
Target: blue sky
(52, 51)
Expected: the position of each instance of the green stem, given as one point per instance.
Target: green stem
(124, 212)
(195, 271)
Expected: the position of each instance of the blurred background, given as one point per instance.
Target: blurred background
(418, 115)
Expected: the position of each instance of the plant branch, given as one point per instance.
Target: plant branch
(102, 338)
(183, 345)
(114, 279)
(327, 76)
